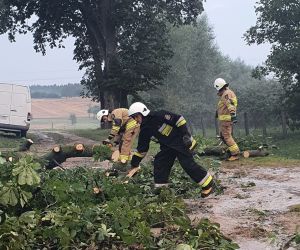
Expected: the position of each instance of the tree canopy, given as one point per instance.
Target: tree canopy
(278, 23)
(121, 44)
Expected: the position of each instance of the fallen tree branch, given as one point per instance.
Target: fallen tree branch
(61, 153)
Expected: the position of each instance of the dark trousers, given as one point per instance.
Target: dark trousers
(164, 161)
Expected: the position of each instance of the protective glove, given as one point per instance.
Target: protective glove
(233, 118)
(124, 158)
(216, 115)
(133, 171)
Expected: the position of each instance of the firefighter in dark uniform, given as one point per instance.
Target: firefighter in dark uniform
(175, 141)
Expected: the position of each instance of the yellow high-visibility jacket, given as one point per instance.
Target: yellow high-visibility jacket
(227, 105)
(118, 117)
(126, 128)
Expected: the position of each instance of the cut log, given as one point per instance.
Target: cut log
(214, 151)
(255, 153)
(60, 154)
(221, 151)
(56, 149)
(25, 146)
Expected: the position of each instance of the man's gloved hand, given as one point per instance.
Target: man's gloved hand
(124, 158)
(216, 115)
(233, 118)
(133, 171)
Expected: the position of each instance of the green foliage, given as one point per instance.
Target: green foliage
(122, 45)
(9, 140)
(56, 91)
(93, 134)
(66, 212)
(18, 180)
(187, 89)
(278, 23)
(102, 153)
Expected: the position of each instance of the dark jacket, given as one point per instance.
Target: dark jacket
(164, 127)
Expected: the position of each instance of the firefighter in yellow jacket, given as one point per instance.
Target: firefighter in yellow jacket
(226, 114)
(123, 132)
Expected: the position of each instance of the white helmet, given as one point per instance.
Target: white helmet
(138, 107)
(219, 83)
(102, 113)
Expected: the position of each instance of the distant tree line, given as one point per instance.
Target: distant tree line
(56, 91)
(188, 87)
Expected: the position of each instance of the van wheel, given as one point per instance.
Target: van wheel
(23, 133)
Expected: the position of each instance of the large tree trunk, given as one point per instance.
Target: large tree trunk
(102, 34)
(111, 97)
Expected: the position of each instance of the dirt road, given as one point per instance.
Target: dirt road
(256, 207)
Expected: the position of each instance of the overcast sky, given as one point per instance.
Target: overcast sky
(21, 64)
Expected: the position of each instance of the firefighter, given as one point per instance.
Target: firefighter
(171, 132)
(226, 114)
(123, 132)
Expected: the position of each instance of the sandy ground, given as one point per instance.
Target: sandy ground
(254, 210)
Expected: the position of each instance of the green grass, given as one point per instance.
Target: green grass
(93, 134)
(288, 147)
(270, 161)
(9, 141)
(64, 123)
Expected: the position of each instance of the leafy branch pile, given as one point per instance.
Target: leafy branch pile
(84, 209)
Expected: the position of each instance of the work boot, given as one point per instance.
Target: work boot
(208, 190)
(233, 158)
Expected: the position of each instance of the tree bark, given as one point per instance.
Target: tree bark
(60, 154)
(102, 34)
(213, 151)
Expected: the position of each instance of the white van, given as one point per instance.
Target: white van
(15, 108)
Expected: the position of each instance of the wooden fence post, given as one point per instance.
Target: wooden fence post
(264, 127)
(203, 127)
(217, 126)
(283, 123)
(246, 123)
